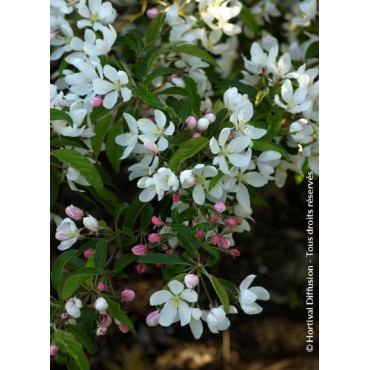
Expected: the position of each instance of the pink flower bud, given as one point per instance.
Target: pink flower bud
(123, 328)
(89, 252)
(174, 75)
(197, 134)
(54, 350)
(238, 222)
(191, 281)
(101, 330)
(214, 218)
(100, 304)
(74, 212)
(176, 197)
(219, 207)
(215, 239)
(127, 295)
(100, 287)
(230, 222)
(96, 101)
(91, 223)
(152, 13)
(235, 252)
(106, 320)
(200, 234)
(152, 118)
(64, 316)
(191, 122)
(139, 250)
(202, 124)
(140, 268)
(150, 147)
(154, 238)
(157, 221)
(225, 244)
(169, 252)
(153, 318)
(210, 117)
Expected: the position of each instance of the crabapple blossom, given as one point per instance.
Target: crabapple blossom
(216, 318)
(96, 14)
(112, 88)
(94, 46)
(100, 304)
(128, 140)
(248, 296)
(101, 330)
(176, 301)
(68, 233)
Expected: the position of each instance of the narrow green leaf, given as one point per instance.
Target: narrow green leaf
(215, 181)
(123, 261)
(196, 51)
(59, 115)
(263, 146)
(146, 216)
(87, 341)
(101, 129)
(113, 150)
(186, 238)
(118, 212)
(163, 71)
(312, 51)
(133, 212)
(62, 141)
(155, 28)
(87, 314)
(74, 281)
(148, 97)
(162, 258)
(214, 127)
(249, 19)
(69, 344)
(174, 91)
(115, 310)
(274, 126)
(80, 163)
(187, 150)
(100, 254)
(54, 185)
(221, 292)
(57, 271)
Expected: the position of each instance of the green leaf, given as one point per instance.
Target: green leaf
(148, 97)
(274, 126)
(101, 129)
(192, 88)
(146, 216)
(214, 256)
(87, 314)
(59, 115)
(242, 88)
(113, 150)
(145, 63)
(163, 71)
(118, 212)
(256, 198)
(57, 271)
(87, 341)
(186, 238)
(174, 91)
(221, 292)
(187, 150)
(54, 185)
(123, 261)
(196, 51)
(162, 258)
(117, 313)
(312, 51)
(62, 141)
(74, 281)
(80, 163)
(133, 211)
(179, 139)
(68, 344)
(186, 108)
(155, 27)
(101, 254)
(248, 19)
(263, 146)
(215, 181)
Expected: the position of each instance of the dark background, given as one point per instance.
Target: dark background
(274, 250)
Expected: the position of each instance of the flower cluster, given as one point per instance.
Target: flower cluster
(200, 107)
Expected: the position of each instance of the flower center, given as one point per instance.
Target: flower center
(176, 300)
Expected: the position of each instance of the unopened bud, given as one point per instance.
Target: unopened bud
(157, 221)
(210, 117)
(54, 350)
(74, 212)
(191, 122)
(197, 134)
(150, 147)
(225, 244)
(91, 223)
(215, 239)
(100, 287)
(214, 218)
(101, 330)
(96, 101)
(139, 250)
(176, 197)
(89, 252)
(100, 304)
(200, 234)
(191, 281)
(123, 328)
(127, 295)
(152, 13)
(64, 316)
(235, 252)
(202, 124)
(154, 238)
(219, 207)
(230, 222)
(140, 269)
(153, 318)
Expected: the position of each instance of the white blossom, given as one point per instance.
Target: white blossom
(68, 233)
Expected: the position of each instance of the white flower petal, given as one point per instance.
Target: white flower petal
(251, 309)
(189, 295)
(260, 292)
(160, 297)
(110, 99)
(196, 328)
(168, 314)
(176, 287)
(247, 282)
(184, 313)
